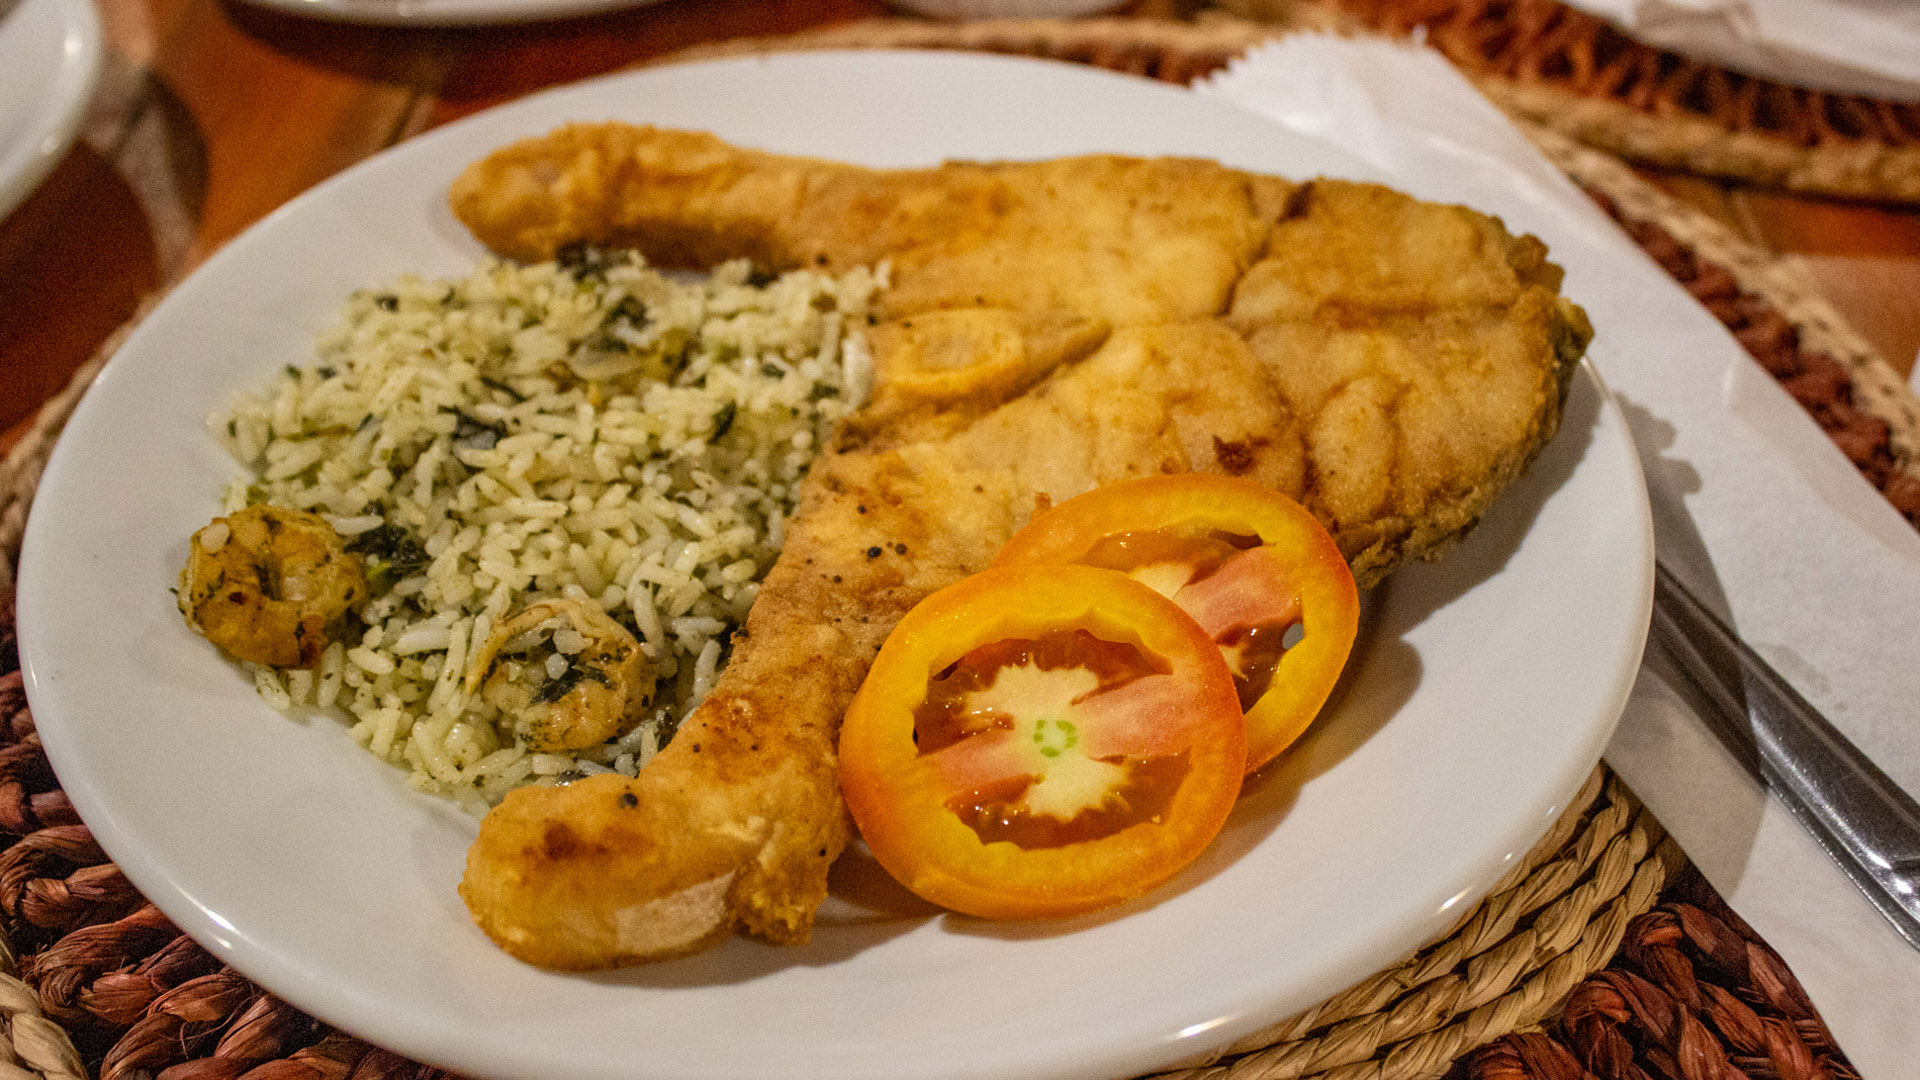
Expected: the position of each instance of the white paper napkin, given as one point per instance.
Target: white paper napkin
(1854, 46)
(1751, 503)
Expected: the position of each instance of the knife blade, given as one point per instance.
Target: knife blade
(1864, 821)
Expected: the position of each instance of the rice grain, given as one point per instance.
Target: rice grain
(589, 428)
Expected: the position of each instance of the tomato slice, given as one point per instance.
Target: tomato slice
(1254, 568)
(1042, 741)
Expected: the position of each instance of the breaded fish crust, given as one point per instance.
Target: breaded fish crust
(1050, 327)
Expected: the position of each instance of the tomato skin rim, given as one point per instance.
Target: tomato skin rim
(1329, 599)
(927, 847)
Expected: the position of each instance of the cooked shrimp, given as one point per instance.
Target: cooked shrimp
(270, 585)
(567, 675)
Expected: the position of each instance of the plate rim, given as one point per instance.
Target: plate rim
(1143, 1057)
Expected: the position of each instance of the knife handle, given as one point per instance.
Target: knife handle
(1866, 823)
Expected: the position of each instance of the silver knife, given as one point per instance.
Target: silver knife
(1866, 823)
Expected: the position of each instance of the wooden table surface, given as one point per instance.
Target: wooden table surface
(211, 113)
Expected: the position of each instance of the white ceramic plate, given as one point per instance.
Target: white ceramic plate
(445, 12)
(50, 53)
(1483, 690)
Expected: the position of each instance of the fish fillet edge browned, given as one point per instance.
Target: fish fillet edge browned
(1049, 327)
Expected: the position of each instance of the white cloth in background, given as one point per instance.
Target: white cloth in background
(1751, 504)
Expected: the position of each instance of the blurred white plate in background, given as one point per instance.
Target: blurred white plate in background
(50, 53)
(445, 12)
(1869, 47)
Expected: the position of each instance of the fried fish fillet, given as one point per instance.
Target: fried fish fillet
(1050, 327)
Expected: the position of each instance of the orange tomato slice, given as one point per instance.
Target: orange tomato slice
(1258, 572)
(1042, 741)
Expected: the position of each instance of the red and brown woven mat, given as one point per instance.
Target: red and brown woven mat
(1772, 308)
(1600, 956)
(1575, 73)
(1693, 993)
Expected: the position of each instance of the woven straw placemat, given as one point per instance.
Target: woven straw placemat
(1599, 955)
(1563, 68)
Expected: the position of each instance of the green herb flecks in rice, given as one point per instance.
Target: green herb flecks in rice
(587, 427)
